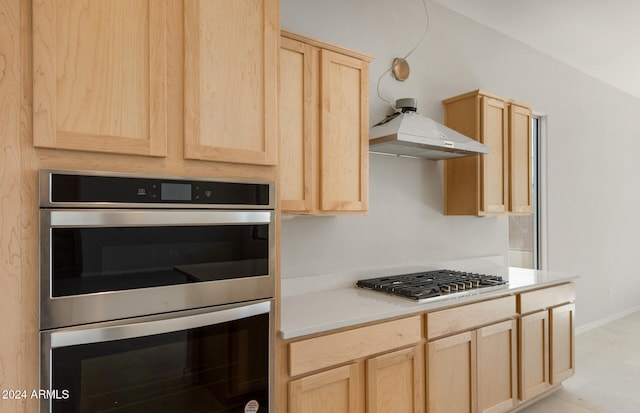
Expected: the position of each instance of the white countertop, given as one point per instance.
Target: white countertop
(307, 309)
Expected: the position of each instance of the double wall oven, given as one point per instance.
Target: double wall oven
(156, 293)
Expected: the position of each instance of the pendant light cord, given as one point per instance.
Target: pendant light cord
(426, 30)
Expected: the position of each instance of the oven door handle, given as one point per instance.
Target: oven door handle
(142, 328)
(140, 218)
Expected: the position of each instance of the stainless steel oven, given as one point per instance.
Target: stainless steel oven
(156, 293)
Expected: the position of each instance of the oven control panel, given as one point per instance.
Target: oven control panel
(125, 190)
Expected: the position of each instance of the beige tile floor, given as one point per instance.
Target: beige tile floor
(607, 378)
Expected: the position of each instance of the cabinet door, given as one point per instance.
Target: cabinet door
(344, 136)
(497, 367)
(520, 159)
(451, 372)
(534, 354)
(299, 115)
(99, 72)
(493, 167)
(336, 391)
(395, 382)
(562, 351)
(231, 53)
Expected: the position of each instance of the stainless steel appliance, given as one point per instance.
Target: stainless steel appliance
(433, 285)
(156, 293)
(407, 133)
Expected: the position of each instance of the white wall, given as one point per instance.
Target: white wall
(593, 139)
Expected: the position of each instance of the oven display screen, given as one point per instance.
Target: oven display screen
(175, 192)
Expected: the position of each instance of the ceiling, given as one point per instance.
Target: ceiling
(600, 38)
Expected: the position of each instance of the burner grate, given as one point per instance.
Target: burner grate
(430, 284)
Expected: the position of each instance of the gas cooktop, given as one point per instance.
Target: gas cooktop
(421, 286)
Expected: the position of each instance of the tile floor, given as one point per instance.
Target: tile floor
(607, 378)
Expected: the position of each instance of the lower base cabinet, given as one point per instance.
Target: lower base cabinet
(337, 390)
(534, 354)
(490, 356)
(377, 368)
(451, 366)
(546, 336)
(390, 383)
(497, 367)
(562, 338)
(395, 382)
(474, 371)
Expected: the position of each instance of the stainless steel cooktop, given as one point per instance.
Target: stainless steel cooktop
(422, 286)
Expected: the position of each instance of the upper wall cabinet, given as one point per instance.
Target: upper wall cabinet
(498, 183)
(231, 80)
(101, 81)
(100, 76)
(520, 158)
(324, 112)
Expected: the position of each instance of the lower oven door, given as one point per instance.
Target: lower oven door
(214, 360)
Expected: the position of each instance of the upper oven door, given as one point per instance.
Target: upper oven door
(100, 265)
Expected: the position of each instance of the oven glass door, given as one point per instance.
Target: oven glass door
(100, 265)
(101, 251)
(161, 366)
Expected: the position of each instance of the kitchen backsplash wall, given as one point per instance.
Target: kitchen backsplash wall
(405, 226)
(590, 149)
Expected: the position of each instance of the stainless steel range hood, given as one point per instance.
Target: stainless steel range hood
(407, 133)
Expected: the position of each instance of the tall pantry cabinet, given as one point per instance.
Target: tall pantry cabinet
(498, 183)
(101, 78)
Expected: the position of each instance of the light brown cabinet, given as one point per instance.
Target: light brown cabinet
(451, 371)
(395, 382)
(100, 76)
(389, 383)
(480, 364)
(109, 92)
(380, 366)
(324, 112)
(337, 390)
(534, 354)
(546, 339)
(520, 158)
(497, 355)
(490, 356)
(497, 183)
(231, 86)
(561, 347)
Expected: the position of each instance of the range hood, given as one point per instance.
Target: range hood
(407, 133)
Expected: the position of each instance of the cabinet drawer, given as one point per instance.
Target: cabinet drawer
(546, 297)
(332, 349)
(465, 317)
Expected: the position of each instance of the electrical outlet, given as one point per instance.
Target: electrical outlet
(610, 293)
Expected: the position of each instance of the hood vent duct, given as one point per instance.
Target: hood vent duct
(407, 133)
